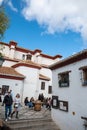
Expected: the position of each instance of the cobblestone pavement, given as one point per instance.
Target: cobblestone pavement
(27, 113)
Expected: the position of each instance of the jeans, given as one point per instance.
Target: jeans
(30, 104)
(8, 110)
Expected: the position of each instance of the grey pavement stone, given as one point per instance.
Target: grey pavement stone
(27, 113)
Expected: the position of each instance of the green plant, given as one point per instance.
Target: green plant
(1, 55)
(4, 22)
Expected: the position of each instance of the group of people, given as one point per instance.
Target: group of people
(45, 101)
(15, 103)
(30, 103)
(8, 101)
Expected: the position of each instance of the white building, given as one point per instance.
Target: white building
(25, 71)
(70, 91)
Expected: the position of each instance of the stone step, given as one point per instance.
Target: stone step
(27, 121)
(33, 124)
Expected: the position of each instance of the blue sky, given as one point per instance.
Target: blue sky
(53, 26)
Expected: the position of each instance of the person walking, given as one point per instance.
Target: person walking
(17, 103)
(49, 102)
(8, 101)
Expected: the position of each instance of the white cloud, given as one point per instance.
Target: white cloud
(58, 15)
(12, 7)
(1, 2)
(9, 3)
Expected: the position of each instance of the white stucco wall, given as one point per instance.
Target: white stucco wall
(47, 72)
(75, 94)
(5, 50)
(8, 63)
(31, 82)
(47, 61)
(45, 91)
(15, 85)
(18, 55)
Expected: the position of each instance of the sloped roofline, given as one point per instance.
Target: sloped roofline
(10, 73)
(43, 77)
(30, 51)
(27, 64)
(74, 58)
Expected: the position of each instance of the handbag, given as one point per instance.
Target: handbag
(16, 105)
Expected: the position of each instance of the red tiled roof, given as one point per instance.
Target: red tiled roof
(32, 52)
(11, 59)
(8, 71)
(51, 57)
(43, 77)
(27, 63)
(44, 66)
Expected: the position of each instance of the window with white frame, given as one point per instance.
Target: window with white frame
(42, 85)
(63, 79)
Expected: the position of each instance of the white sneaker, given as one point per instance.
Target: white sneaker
(6, 119)
(9, 118)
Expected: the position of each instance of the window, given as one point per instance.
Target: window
(28, 57)
(23, 57)
(84, 81)
(5, 88)
(84, 75)
(49, 89)
(42, 85)
(63, 79)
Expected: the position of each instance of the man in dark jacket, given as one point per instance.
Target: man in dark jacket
(8, 101)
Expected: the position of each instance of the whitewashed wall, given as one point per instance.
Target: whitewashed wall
(47, 72)
(8, 63)
(18, 55)
(47, 61)
(5, 50)
(31, 82)
(45, 91)
(75, 94)
(15, 85)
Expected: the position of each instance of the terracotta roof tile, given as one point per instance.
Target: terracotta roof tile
(10, 72)
(43, 77)
(27, 63)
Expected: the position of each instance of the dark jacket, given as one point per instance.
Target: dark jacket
(26, 101)
(8, 100)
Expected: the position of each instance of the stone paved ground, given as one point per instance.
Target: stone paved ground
(27, 113)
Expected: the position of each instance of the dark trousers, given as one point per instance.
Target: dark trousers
(8, 110)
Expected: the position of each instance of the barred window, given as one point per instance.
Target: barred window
(84, 75)
(5, 88)
(28, 57)
(49, 89)
(63, 79)
(42, 85)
